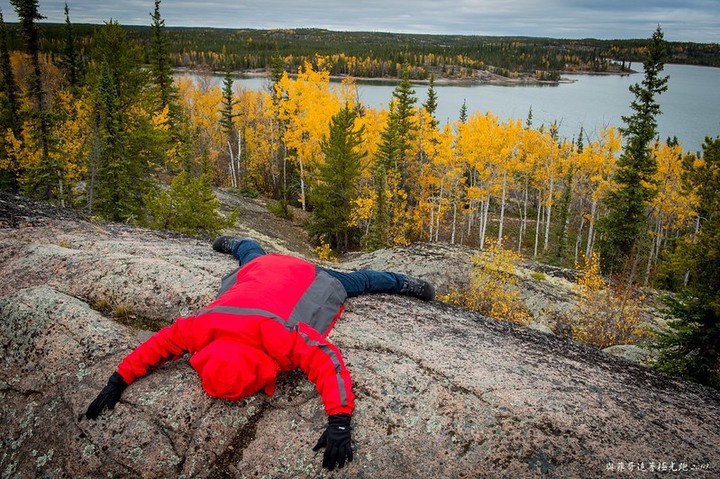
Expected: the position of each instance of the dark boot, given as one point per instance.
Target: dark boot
(224, 244)
(418, 288)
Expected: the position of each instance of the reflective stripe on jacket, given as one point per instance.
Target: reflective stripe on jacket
(271, 316)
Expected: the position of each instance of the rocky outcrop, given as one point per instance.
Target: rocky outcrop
(441, 392)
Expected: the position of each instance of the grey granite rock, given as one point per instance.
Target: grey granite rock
(441, 392)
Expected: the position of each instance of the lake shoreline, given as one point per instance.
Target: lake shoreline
(481, 78)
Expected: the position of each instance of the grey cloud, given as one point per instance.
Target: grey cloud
(689, 20)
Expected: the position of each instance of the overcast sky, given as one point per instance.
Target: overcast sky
(680, 20)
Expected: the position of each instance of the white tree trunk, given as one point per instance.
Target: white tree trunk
(233, 176)
(302, 183)
(591, 230)
(537, 226)
(485, 206)
(454, 223)
(548, 213)
(502, 209)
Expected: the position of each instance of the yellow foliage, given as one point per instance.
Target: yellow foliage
(325, 253)
(161, 119)
(605, 315)
(363, 209)
(493, 289)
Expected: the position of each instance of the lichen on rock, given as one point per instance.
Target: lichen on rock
(441, 391)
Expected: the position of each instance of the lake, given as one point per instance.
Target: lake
(690, 106)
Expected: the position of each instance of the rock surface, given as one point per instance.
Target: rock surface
(441, 392)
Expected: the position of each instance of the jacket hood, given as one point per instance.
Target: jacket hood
(232, 370)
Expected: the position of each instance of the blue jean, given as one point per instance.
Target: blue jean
(356, 283)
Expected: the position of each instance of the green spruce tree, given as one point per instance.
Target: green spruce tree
(404, 99)
(10, 115)
(45, 181)
(160, 62)
(127, 145)
(70, 59)
(333, 199)
(227, 123)
(463, 115)
(386, 163)
(625, 226)
(431, 104)
(9, 110)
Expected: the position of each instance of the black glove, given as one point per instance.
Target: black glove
(336, 441)
(109, 396)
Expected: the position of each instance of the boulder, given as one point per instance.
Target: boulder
(441, 391)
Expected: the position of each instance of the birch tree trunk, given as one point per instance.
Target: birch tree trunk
(454, 222)
(233, 176)
(537, 226)
(523, 220)
(578, 240)
(591, 229)
(548, 211)
(654, 249)
(485, 205)
(302, 182)
(502, 209)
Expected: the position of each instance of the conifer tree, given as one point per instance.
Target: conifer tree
(9, 111)
(431, 104)
(125, 141)
(396, 170)
(404, 125)
(46, 174)
(334, 196)
(692, 347)
(160, 67)
(71, 61)
(227, 123)
(625, 224)
(10, 107)
(463, 115)
(114, 184)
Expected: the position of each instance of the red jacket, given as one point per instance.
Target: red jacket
(272, 316)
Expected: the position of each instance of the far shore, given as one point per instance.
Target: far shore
(481, 77)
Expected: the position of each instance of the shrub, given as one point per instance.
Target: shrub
(492, 288)
(188, 207)
(325, 253)
(606, 315)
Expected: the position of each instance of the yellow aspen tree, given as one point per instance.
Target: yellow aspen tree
(479, 143)
(595, 168)
(549, 175)
(256, 128)
(200, 103)
(372, 121)
(447, 178)
(526, 174)
(72, 133)
(429, 195)
(508, 159)
(673, 209)
(306, 105)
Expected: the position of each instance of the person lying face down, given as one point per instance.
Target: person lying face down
(272, 315)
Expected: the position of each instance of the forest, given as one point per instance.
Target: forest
(92, 118)
(381, 55)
